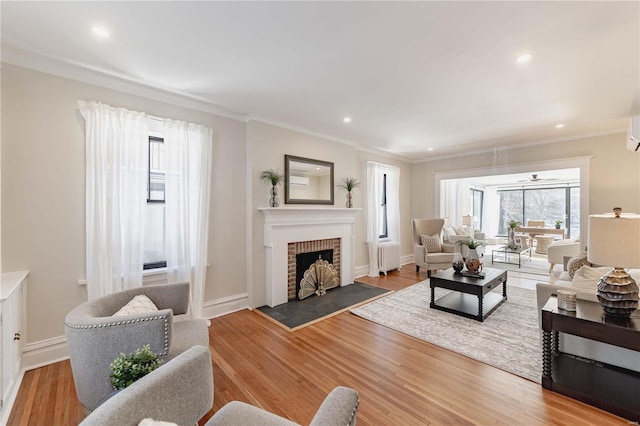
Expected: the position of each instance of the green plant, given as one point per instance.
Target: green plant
(349, 183)
(558, 222)
(513, 223)
(274, 177)
(126, 369)
(472, 244)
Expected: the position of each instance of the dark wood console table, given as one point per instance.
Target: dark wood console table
(604, 386)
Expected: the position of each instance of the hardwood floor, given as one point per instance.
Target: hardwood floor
(401, 380)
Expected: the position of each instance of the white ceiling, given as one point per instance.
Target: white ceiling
(412, 75)
(559, 177)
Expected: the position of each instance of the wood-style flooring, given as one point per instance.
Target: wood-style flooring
(401, 380)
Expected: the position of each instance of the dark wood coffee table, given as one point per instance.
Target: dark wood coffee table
(471, 297)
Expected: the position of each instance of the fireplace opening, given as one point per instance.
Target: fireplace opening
(304, 262)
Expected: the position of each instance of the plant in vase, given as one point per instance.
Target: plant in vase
(511, 234)
(558, 223)
(473, 259)
(274, 177)
(348, 184)
(126, 369)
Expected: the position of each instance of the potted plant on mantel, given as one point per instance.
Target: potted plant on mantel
(558, 223)
(349, 184)
(275, 178)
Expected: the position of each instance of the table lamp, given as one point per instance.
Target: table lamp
(614, 240)
(467, 220)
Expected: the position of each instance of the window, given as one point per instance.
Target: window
(154, 236)
(476, 200)
(383, 228)
(548, 204)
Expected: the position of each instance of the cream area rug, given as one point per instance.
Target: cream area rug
(509, 339)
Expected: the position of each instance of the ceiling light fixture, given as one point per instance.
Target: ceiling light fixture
(523, 58)
(559, 126)
(429, 149)
(100, 32)
(347, 120)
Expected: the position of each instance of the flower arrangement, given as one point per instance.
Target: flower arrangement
(126, 369)
(513, 224)
(274, 177)
(349, 183)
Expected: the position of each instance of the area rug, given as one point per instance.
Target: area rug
(508, 339)
(296, 314)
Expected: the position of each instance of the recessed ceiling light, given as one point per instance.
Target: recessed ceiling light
(100, 32)
(523, 58)
(429, 149)
(559, 126)
(347, 120)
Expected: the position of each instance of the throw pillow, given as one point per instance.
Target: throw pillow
(461, 230)
(431, 243)
(447, 233)
(140, 304)
(586, 278)
(151, 422)
(577, 262)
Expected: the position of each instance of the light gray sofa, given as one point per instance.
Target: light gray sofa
(95, 338)
(180, 392)
(578, 346)
(340, 407)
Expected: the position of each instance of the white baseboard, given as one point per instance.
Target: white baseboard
(361, 271)
(44, 352)
(7, 403)
(410, 258)
(225, 305)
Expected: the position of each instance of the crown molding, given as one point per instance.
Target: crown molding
(38, 61)
(520, 145)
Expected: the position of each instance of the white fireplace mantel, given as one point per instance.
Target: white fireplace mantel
(284, 225)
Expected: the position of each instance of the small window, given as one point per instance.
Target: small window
(383, 229)
(154, 237)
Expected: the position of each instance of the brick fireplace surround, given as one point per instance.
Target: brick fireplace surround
(308, 247)
(285, 226)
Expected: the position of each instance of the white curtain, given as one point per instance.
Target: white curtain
(188, 151)
(375, 179)
(454, 200)
(116, 178)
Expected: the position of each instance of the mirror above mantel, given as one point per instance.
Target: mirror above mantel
(307, 181)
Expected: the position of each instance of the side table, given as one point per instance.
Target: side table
(604, 386)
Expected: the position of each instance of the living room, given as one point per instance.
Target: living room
(43, 180)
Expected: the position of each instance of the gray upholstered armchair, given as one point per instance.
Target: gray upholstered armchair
(181, 392)
(340, 407)
(431, 261)
(95, 338)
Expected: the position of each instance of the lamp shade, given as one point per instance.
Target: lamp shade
(467, 220)
(614, 241)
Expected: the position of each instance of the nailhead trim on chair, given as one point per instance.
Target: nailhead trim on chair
(112, 324)
(354, 412)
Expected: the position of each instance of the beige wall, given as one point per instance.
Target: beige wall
(614, 171)
(43, 201)
(268, 146)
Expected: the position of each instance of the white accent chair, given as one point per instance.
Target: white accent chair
(422, 258)
(561, 248)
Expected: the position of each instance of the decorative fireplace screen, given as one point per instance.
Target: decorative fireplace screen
(320, 277)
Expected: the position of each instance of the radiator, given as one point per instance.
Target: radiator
(388, 256)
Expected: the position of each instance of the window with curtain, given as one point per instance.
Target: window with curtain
(126, 174)
(476, 198)
(382, 208)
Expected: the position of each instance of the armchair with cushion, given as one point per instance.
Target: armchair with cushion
(431, 259)
(95, 337)
(340, 407)
(180, 392)
(561, 248)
